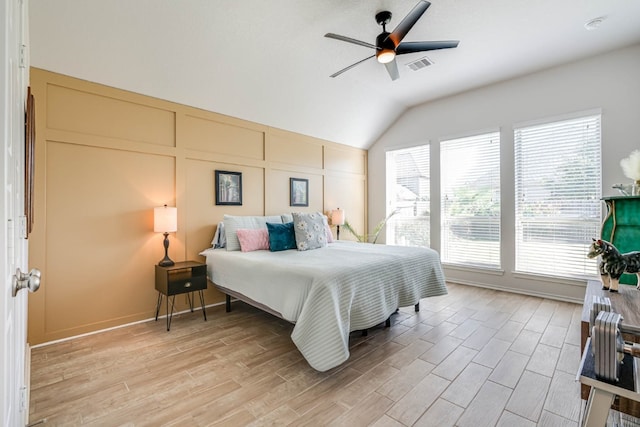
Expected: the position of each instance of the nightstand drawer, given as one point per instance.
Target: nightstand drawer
(183, 285)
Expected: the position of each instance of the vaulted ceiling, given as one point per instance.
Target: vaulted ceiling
(269, 62)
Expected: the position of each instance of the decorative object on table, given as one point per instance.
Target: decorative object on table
(373, 237)
(631, 169)
(337, 219)
(298, 192)
(613, 263)
(165, 220)
(228, 188)
(624, 189)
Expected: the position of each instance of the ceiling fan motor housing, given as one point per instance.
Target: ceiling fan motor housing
(383, 17)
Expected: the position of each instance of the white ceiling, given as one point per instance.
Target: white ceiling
(269, 62)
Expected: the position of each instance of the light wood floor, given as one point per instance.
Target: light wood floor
(475, 357)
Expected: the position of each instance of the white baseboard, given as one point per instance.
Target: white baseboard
(519, 291)
(118, 327)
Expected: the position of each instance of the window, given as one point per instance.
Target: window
(408, 183)
(558, 190)
(470, 200)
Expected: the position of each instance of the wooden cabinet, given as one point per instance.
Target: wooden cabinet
(183, 277)
(622, 227)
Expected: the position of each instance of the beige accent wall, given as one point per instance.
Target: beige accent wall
(106, 157)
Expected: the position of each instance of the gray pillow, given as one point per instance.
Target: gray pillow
(219, 237)
(310, 230)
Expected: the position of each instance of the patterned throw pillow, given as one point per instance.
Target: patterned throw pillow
(310, 230)
(281, 237)
(253, 240)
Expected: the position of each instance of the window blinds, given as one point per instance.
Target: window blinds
(470, 200)
(558, 190)
(408, 181)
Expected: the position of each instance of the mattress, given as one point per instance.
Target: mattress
(331, 291)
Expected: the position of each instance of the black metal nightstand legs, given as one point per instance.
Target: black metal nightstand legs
(173, 299)
(204, 313)
(170, 315)
(158, 305)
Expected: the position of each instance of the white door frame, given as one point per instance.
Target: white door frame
(14, 74)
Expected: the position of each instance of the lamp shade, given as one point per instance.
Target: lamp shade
(165, 219)
(337, 217)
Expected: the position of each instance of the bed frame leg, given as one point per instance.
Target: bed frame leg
(387, 323)
(417, 307)
(228, 304)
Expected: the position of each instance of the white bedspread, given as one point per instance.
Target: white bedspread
(331, 291)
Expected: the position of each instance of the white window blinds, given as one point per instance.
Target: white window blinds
(558, 190)
(408, 180)
(470, 200)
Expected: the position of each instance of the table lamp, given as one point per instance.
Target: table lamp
(337, 219)
(165, 220)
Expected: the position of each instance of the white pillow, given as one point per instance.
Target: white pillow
(233, 223)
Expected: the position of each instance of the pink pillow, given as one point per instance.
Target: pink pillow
(253, 240)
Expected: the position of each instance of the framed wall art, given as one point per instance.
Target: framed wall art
(228, 188)
(298, 192)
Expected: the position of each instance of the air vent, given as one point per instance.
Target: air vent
(420, 63)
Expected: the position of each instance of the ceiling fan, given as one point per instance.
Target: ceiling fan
(388, 45)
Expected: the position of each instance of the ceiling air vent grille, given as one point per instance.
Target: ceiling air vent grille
(420, 63)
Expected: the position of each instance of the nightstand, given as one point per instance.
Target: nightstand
(182, 278)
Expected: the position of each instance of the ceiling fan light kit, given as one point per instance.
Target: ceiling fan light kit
(389, 45)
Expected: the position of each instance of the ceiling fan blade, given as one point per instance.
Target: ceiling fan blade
(409, 47)
(349, 40)
(351, 66)
(408, 22)
(392, 69)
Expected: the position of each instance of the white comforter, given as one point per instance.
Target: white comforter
(331, 291)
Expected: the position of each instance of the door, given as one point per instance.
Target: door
(13, 310)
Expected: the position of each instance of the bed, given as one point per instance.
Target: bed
(330, 291)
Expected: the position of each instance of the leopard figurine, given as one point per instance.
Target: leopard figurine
(613, 263)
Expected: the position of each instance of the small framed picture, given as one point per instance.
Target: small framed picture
(228, 188)
(298, 192)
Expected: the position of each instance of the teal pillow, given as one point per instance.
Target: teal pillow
(281, 236)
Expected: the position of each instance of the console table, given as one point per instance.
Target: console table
(627, 303)
(622, 227)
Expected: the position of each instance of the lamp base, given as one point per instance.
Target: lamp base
(166, 262)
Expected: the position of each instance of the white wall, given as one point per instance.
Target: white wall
(610, 82)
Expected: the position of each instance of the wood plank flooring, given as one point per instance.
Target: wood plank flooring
(475, 357)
